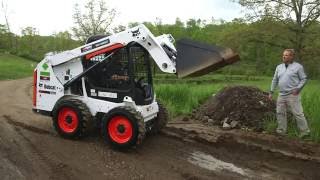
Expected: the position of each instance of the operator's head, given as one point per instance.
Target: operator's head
(288, 55)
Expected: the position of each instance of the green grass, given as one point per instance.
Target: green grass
(311, 103)
(14, 67)
(182, 98)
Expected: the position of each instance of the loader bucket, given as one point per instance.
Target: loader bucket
(196, 59)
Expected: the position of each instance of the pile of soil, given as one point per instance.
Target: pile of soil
(237, 107)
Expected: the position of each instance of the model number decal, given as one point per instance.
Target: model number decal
(101, 43)
(107, 41)
(45, 78)
(87, 48)
(107, 94)
(46, 92)
(46, 86)
(49, 87)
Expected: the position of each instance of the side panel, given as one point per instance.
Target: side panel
(68, 70)
(48, 89)
(149, 111)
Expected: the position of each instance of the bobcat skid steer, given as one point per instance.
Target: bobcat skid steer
(107, 83)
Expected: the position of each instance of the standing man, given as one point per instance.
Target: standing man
(290, 78)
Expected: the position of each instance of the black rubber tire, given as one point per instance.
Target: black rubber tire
(85, 124)
(136, 120)
(161, 120)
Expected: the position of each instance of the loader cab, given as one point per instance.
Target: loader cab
(126, 73)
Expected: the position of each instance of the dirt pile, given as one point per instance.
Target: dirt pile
(236, 107)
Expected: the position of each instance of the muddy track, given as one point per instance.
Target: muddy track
(31, 149)
(17, 123)
(58, 170)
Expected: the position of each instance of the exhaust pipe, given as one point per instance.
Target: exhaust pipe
(196, 59)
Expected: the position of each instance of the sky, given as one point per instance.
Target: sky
(50, 16)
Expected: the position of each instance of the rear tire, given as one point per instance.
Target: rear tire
(72, 119)
(161, 120)
(123, 127)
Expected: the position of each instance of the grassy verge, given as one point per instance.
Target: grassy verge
(13, 67)
(311, 102)
(182, 98)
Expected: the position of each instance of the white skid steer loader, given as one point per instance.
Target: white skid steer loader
(107, 83)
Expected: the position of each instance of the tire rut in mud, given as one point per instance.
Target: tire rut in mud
(58, 170)
(28, 89)
(25, 126)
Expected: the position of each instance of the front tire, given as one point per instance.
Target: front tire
(72, 118)
(123, 127)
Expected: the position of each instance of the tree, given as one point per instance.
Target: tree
(29, 31)
(29, 43)
(297, 15)
(4, 7)
(4, 41)
(95, 20)
(10, 35)
(63, 41)
(119, 28)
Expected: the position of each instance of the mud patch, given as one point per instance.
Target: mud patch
(58, 169)
(209, 162)
(8, 170)
(28, 90)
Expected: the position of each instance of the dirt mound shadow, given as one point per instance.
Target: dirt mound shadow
(237, 107)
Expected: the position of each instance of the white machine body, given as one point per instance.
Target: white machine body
(55, 70)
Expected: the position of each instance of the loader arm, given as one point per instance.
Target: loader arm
(139, 34)
(190, 59)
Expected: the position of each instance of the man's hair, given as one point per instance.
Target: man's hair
(291, 51)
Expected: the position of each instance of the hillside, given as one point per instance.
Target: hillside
(14, 67)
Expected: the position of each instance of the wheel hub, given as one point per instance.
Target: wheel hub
(69, 119)
(121, 128)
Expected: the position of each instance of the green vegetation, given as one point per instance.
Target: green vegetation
(311, 102)
(31, 45)
(259, 44)
(13, 67)
(182, 98)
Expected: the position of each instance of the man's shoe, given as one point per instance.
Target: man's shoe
(280, 132)
(304, 135)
